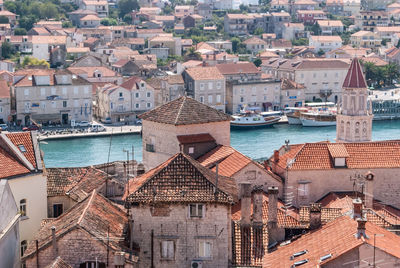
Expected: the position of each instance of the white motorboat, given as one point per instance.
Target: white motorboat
(318, 119)
(253, 120)
(293, 114)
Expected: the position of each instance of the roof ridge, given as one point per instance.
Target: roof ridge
(180, 110)
(87, 207)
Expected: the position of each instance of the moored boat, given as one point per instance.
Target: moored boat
(318, 119)
(253, 120)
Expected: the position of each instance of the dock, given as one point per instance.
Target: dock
(123, 130)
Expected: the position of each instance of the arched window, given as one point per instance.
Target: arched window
(24, 245)
(22, 207)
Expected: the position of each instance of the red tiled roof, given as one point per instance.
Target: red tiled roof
(205, 73)
(191, 182)
(355, 77)
(98, 216)
(237, 68)
(58, 263)
(195, 138)
(286, 218)
(337, 150)
(131, 83)
(337, 238)
(10, 166)
(383, 154)
(25, 139)
(185, 111)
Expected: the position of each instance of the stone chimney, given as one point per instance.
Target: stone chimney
(258, 206)
(361, 228)
(245, 203)
(357, 208)
(369, 189)
(275, 161)
(315, 215)
(273, 232)
(54, 243)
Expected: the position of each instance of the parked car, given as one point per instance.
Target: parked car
(83, 124)
(97, 128)
(30, 128)
(3, 127)
(106, 121)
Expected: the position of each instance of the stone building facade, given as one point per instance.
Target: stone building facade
(183, 116)
(180, 222)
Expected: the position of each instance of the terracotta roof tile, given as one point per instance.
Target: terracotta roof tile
(185, 111)
(10, 166)
(195, 138)
(380, 154)
(337, 150)
(181, 179)
(355, 77)
(25, 139)
(254, 40)
(95, 214)
(77, 183)
(205, 73)
(237, 68)
(336, 238)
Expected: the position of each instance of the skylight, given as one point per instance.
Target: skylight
(298, 263)
(324, 258)
(297, 254)
(22, 148)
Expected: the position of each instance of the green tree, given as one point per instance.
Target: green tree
(191, 54)
(258, 31)
(7, 50)
(27, 22)
(4, 19)
(127, 19)
(67, 24)
(300, 42)
(20, 31)
(320, 52)
(391, 71)
(316, 29)
(235, 44)
(109, 22)
(257, 62)
(370, 70)
(127, 6)
(31, 61)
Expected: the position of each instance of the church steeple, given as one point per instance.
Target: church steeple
(354, 119)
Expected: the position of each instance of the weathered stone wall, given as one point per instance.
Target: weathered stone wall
(75, 248)
(257, 177)
(186, 233)
(163, 137)
(386, 184)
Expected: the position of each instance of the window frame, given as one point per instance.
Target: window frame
(197, 214)
(168, 244)
(22, 208)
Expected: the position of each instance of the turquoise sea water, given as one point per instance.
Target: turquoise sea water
(256, 143)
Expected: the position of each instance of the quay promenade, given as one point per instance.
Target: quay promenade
(110, 130)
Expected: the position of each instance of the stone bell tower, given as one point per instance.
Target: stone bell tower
(354, 118)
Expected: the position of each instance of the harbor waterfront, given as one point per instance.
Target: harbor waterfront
(255, 143)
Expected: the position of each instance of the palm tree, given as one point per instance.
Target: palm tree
(391, 72)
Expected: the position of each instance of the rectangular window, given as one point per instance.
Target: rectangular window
(201, 86)
(86, 90)
(303, 190)
(196, 211)
(26, 92)
(218, 85)
(64, 104)
(76, 103)
(201, 99)
(137, 95)
(64, 91)
(210, 85)
(210, 99)
(22, 207)
(43, 91)
(191, 150)
(218, 98)
(137, 105)
(121, 94)
(148, 94)
(205, 249)
(148, 105)
(57, 210)
(75, 91)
